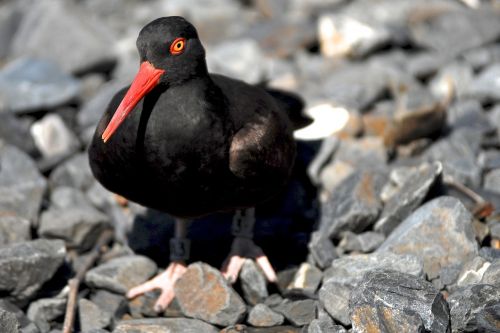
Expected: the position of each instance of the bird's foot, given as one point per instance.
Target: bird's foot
(242, 249)
(165, 282)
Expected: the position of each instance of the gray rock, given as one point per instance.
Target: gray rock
(25, 267)
(306, 279)
(262, 316)
(299, 313)
(354, 205)
(120, 274)
(53, 138)
(334, 173)
(425, 64)
(399, 292)
(367, 152)
(369, 318)
(409, 197)
(74, 172)
(467, 302)
(91, 316)
(470, 114)
(164, 325)
(485, 87)
(21, 185)
(346, 273)
(14, 229)
(16, 131)
(115, 305)
(489, 159)
(325, 325)
(364, 242)
(489, 253)
(253, 282)
(45, 310)
(483, 56)
(66, 34)
(495, 230)
(203, 293)
(473, 271)
(79, 227)
(492, 274)
(492, 181)
(441, 233)
(25, 325)
(8, 322)
(322, 250)
(33, 84)
(452, 80)
(68, 197)
(488, 319)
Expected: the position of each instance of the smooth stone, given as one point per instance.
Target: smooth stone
(53, 138)
(321, 249)
(91, 316)
(453, 79)
(367, 152)
(46, 310)
(364, 242)
(299, 313)
(262, 316)
(203, 293)
(425, 64)
(25, 267)
(441, 233)
(401, 299)
(253, 282)
(489, 159)
(469, 113)
(115, 305)
(65, 197)
(74, 172)
(306, 279)
(120, 274)
(14, 229)
(240, 328)
(164, 325)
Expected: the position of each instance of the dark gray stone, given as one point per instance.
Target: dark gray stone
(306, 279)
(25, 267)
(114, 304)
(489, 159)
(425, 64)
(68, 197)
(495, 230)
(364, 242)
(470, 114)
(8, 322)
(66, 34)
(21, 185)
(488, 319)
(262, 316)
(48, 86)
(403, 293)
(441, 233)
(492, 274)
(467, 302)
(91, 316)
(16, 131)
(14, 229)
(322, 250)
(120, 274)
(409, 197)
(485, 87)
(492, 181)
(45, 310)
(74, 172)
(253, 282)
(53, 138)
(299, 313)
(203, 293)
(25, 325)
(483, 56)
(354, 206)
(164, 325)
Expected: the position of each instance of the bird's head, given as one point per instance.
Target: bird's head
(171, 54)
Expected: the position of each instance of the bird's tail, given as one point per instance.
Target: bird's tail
(293, 106)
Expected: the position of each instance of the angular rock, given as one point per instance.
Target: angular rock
(115, 305)
(25, 267)
(492, 274)
(53, 138)
(25, 325)
(91, 316)
(492, 181)
(322, 250)
(16, 131)
(354, 205)
(473, 271)
(489, 253)
(467, 302)
(66, 34)
(485, 87)
(488, 319)
(68, 197)
(469, 114)
(45, 310)
(409, 197)
(452, 80)
(325, 325)
(164, 325)
(253, 282)
(74, 172)
(364, 242)
(346, 273)
(8, 322)
(306, 280)
(441, 233)
(369, 318)
(14, 229)
(120, 274)
(483, 56)
(299, 313)
(203, 293)
(367, 152)
(262, 316)
(334, 173)
(391, 293)
(21, 185)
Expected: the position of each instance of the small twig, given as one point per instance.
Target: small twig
(74, 283)
(482, 208)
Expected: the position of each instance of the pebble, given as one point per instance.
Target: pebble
(262, 316)
(164, 325)
(91, 316)
(120, 274)
(203, 293)
(53, 138)
(253, 283)
(14, 229)
(74, 172)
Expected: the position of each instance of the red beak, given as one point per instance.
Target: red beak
(147, 78)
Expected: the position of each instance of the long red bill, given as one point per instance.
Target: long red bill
(146, 79)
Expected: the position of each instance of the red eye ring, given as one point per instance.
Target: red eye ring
(177, 46)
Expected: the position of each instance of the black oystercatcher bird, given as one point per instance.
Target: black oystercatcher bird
(190, 143)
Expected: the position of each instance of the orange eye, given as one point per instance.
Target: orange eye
(177, 46)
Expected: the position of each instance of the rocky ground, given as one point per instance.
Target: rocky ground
(390, 225)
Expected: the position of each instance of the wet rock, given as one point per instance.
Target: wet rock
(385, 294)
(21, 185)
(164, 325)
(299, 313)
(306, 280)
(441, 233)
(492, 274)
(66, 34)
(78, 226)
(46, 310)
(120, 274)
(346, 273)
(262, 316)
(322, 250)
(52, 137)
(33, 84)
(91, 316)
(467, 302)
(485, 87)
(410, 195)
(8, 322)
(203, 293)
(365, 242)
(115, 305)
(25, 267)
(253, 283)
(14, 229)
(355, 204)
(74, 172)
